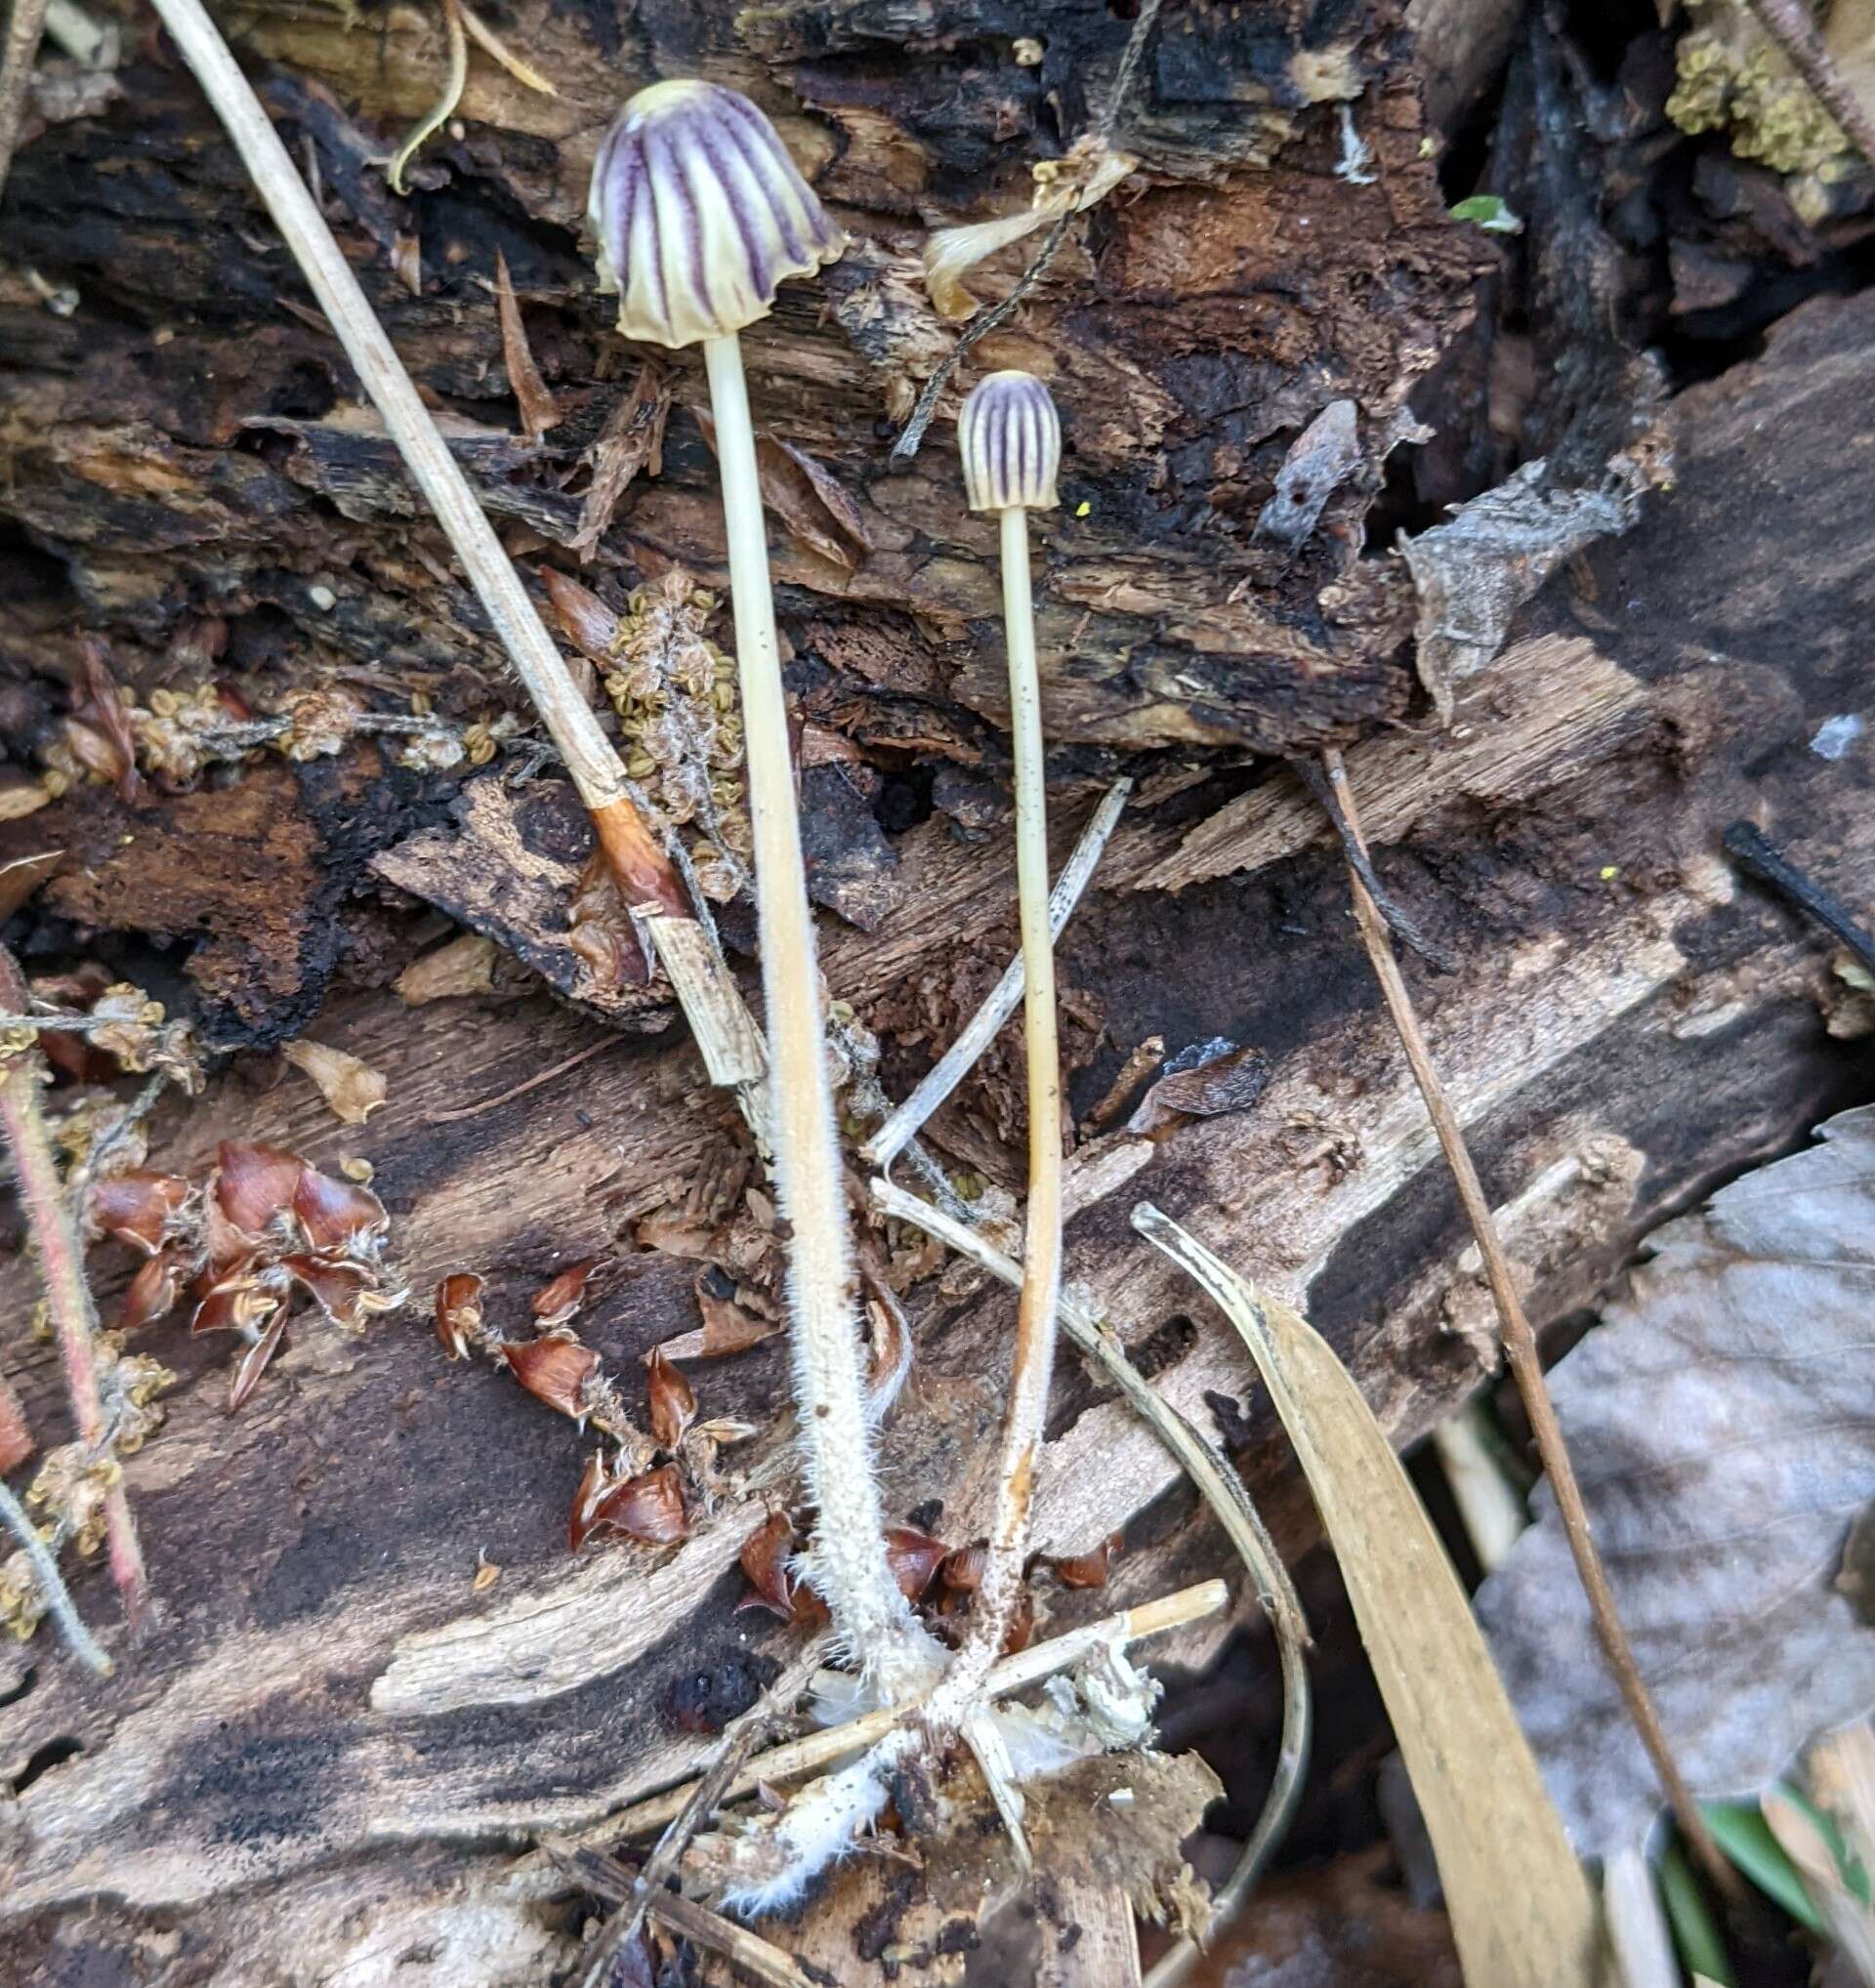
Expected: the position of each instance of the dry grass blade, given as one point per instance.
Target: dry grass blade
(1224, 1491)
(1522, 1916)
(1002, 1001)
(538, 413)
(1520, 1344)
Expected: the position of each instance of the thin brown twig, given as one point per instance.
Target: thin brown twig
(1524, 1360)
(980, 327)
(26, 25)
(61, 1266)
(740, 1738)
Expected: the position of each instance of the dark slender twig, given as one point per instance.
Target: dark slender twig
(1404, 926)
(1526, 1363)
(1751, 850)
(1792, 25)
(740, 1738)
(61, 1266)
(980, 327)
(26, 23)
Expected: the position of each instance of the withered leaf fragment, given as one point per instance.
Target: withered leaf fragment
(255, 1361)
(555, 1303)
(914, 1558)
(536, 404)
(333, 1214)
(349, 1085)
(554, 1369)
(135, 1207)
(465, 964)
(100, 713)
(632, 439)
(1206, 1081)
(672, 1401)
(254, 1185)
(963, 1569)
(458, 1312)
(1088, 1570)
(764, 1558)
(152, 1292)
(648, 1508)
(599, 932)
(806, 496)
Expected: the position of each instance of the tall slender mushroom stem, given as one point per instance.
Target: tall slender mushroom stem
(1010, 441)
(700, 212)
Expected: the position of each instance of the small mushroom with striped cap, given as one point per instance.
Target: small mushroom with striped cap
(700, 215)
(1010, 441)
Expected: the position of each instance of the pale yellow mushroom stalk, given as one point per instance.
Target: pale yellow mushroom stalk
(699, 215)
(1010, 441)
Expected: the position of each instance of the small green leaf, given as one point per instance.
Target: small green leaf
(1741, 1832)
(1695, 1933)
(1489, 213)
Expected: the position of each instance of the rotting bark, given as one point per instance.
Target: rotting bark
(329, 1699)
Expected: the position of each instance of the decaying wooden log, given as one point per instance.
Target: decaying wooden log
(320, 1756)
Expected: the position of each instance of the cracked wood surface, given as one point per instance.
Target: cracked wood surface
(326, 1713)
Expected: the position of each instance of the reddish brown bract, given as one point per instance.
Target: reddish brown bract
(556, 1303)
(914, 1557)
(458, 1312)
(673, 1402)
(648, 1509)
(135, 1207)
(553, 1370)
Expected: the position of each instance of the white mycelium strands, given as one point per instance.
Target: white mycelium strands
(701, 214)
(1010, 441)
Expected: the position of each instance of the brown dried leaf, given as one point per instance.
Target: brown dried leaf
(20, 879)
(672, 1401)
(466, 964)
(1206, 1081)
(538, 412)
(153, 1291)
(728, 1328)
(101, 712)
(558, 1299)
(914, 1558)
(554, 1369)
(648, 1509)
(1719, 1421)
(1088, 1570)
(632, 439)
(458, 1312)
(135, 1207)
(805, 496)
(1521, 1912)
(22, 795)
(334, 1213)
(350, 1086)
(254, 1185)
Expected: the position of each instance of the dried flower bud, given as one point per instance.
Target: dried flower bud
(555, 1303)
(648, 1509)
(914, 1557)
(459, 1313)
(553, 1370)
(1011, 439)
(136, 1206)
(672, 1401)
(701, 214)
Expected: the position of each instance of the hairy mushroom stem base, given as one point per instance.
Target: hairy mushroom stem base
(872, 1620)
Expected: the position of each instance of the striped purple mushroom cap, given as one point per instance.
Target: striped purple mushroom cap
(701, 214)
(1011, 439)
